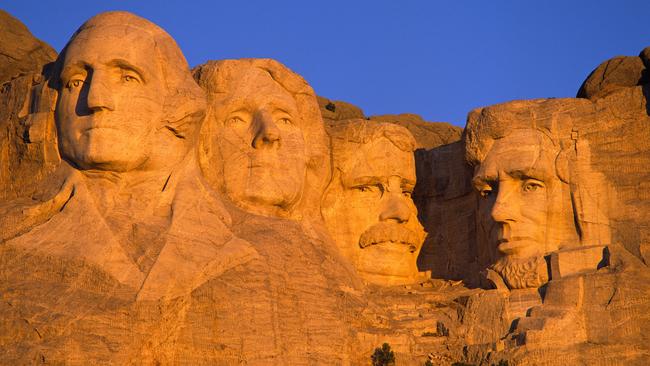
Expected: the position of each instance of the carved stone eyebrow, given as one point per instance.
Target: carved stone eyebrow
(366, 180)
(285, 105)
(525, 174)
(126, 65)
(283, 110)
(242, 110)
(408, 184)
(72, 69)
(484, 179)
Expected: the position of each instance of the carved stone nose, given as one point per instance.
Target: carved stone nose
(395, 209)
(503, 208)
(267, 133)
(99, 94)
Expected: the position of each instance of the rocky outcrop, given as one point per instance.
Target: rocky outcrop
(427, 134)
(337, 110)
(28, 152)
(20, 52)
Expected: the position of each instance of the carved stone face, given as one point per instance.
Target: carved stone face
(525, 210)
(262, 144)
(111, 99)
(369, 212)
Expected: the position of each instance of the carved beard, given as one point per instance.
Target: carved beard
(522, 273)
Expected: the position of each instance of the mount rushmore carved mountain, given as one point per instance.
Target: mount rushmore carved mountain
(155, 214)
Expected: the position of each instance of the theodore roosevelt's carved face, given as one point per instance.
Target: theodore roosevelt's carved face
(111, 99)
(369, 211)
(525, 209)
(261, 143)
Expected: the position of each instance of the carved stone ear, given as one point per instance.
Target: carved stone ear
(330, 193)
(184, 118)
(185, 105)
(562, 162)
(209, 155)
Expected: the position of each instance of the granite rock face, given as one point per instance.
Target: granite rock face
(153, 214)
(616, 73)
(449, 250)
(20, 52)
(337, 110)
(427, 134)
(28, 151)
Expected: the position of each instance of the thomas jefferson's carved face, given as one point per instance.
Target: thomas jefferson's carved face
(111, 99)
(525, 209)
(262, 144)
(369, 211)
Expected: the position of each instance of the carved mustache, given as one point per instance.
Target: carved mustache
(385, 232)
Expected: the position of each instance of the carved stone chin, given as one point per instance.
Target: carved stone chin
(522, 273)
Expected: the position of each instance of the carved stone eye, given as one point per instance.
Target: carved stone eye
(234, 120)
(284, 121)
(532, 186)
(75, 83)
(367, 189)
(363, 188)
(370, 191)
(129, 78)
(485, 192)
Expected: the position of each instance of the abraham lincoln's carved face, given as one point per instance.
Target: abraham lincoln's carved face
(525, 209)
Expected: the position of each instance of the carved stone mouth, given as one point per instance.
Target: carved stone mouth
(410, 246)
(513, 244)
(100, 127)
(261, 164)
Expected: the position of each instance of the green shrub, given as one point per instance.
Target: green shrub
(383, 356)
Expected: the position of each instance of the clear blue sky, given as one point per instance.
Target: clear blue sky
(439, 59)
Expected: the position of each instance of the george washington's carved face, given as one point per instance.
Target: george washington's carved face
(111, 99)
(525, 210)
(369, 211)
